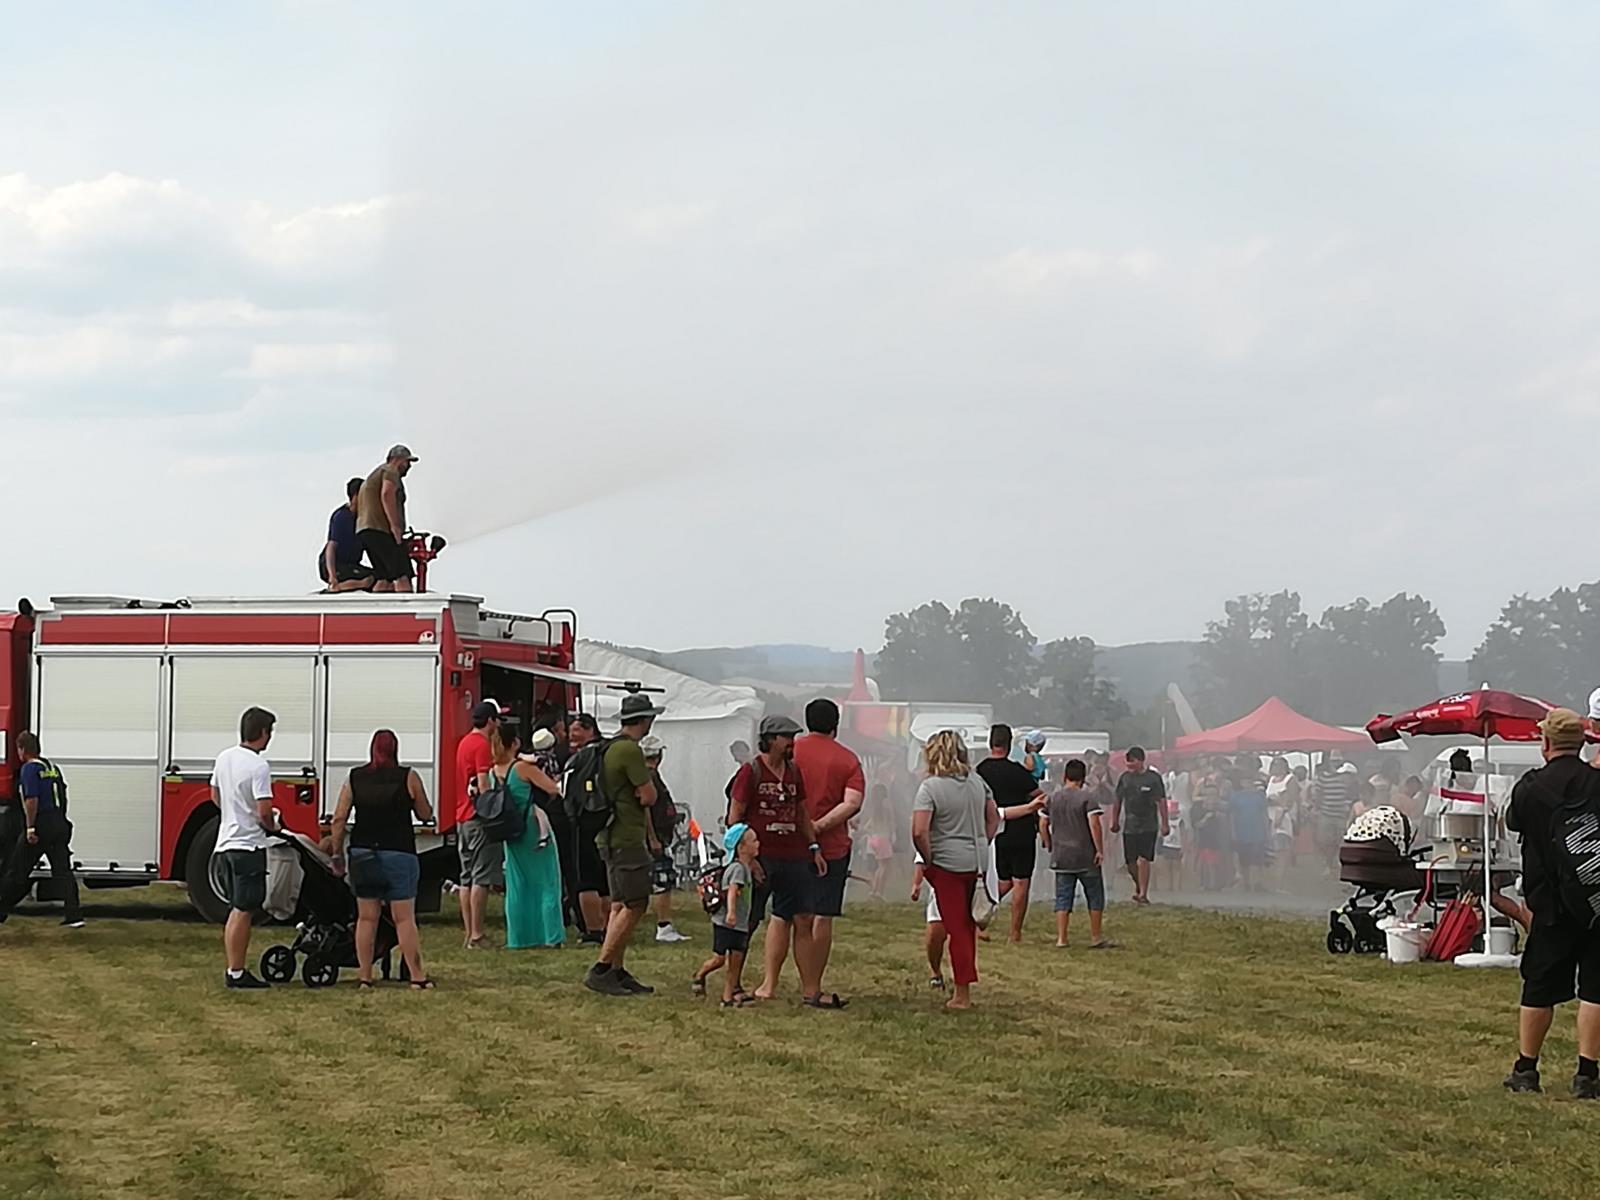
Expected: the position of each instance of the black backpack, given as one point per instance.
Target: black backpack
(584, 790)
(497, 811)
(1575, 852)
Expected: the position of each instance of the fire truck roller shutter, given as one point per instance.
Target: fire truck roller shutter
(98, 717)
(371, 692)
(210, 691)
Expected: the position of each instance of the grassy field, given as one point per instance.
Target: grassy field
(1212, 1056)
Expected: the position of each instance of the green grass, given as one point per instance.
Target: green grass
(1212, 1056)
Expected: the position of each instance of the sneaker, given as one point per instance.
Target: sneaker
(1585, 1087)
(592, 937)
(608, 984)
(633, 986)
(77, 924)
(1523, 1081)
(668, 933)
(247, 982)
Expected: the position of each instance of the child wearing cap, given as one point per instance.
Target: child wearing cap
(730, 925)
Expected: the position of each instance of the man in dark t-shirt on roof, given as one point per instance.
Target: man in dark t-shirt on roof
(340, 564)
(1019, 798)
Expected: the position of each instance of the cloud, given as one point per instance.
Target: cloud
(45, 228)
(1028, 269)
(84, 352)
(279, 360)
(141, 296)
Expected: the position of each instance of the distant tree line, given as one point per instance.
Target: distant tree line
(1358, 659)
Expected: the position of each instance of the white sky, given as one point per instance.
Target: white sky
(727, 323)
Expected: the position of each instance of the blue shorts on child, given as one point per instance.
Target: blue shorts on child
(1094, 889)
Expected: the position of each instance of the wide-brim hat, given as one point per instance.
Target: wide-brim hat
(638, 708)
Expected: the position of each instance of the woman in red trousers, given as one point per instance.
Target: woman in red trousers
(952, 824)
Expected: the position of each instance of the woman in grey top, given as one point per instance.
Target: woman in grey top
(952, 824)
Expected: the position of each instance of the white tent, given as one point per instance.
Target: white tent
(701, 721)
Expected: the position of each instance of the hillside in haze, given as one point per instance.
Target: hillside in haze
(1140, 671)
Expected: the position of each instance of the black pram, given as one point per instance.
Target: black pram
(326, 916)
(1376, 857)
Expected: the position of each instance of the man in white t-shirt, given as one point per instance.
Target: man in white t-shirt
(241, 787)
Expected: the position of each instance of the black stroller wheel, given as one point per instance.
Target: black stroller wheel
(277, 964)
(319, 972)
(1340, 941)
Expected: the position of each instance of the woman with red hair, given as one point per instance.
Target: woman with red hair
(383, 866)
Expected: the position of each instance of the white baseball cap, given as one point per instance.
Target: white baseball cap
(1594, 705)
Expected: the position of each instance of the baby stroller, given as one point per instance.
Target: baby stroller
(1377, 858)
(326, 934)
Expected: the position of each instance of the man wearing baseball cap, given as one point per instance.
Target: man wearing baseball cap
(769, 795)
(1562, 948)
(381, 520)
(482, 861)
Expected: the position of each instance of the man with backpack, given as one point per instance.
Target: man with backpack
(1556, 809)
(625, 792)
(482, 859)
(46, 832)
(587, 813)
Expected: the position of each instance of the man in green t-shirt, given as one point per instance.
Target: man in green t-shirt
(624, 844)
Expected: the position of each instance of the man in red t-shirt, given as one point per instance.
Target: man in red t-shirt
(482, 861)
(834, 788)
(769, 795)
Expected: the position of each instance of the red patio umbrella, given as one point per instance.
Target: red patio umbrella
(1483, 714)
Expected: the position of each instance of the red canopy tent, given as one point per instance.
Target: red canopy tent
(1273, 726)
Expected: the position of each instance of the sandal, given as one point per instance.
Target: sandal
(937, 983)
(697, 987)
(365, 985)
(422, 985)
(833, 1002)
(740, 1000)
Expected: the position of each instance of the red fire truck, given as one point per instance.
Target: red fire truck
(133, 699)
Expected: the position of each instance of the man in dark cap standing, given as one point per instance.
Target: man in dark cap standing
(769, 795)
(381, 520)
(1563, 948)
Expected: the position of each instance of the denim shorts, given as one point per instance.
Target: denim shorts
(388, 875)
(1094, 889)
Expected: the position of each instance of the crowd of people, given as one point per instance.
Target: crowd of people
(580, 829)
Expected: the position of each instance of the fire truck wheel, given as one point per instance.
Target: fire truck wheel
(204, 892)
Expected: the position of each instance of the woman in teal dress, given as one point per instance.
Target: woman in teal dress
(533, 863)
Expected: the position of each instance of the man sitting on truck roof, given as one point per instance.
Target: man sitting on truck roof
(340, 564)
(381, 520)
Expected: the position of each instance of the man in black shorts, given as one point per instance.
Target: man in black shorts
(1562, 949)
(1019, 798)
(381, 520)
(769, 795)
(1140, 813)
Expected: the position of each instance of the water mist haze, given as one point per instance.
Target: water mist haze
(825, 310)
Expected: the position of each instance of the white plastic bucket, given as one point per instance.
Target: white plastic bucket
(1502, 939)
(1405, 942)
